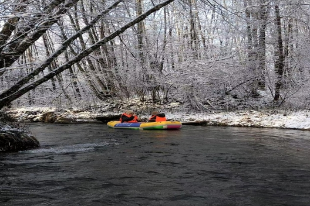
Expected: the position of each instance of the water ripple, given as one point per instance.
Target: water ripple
(69, 148)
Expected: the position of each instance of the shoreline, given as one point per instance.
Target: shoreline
(273, 119)
(260, 119)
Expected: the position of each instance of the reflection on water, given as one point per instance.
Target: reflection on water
(90, 164)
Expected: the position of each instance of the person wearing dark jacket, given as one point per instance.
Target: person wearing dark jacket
(157, 117)
(128, 116)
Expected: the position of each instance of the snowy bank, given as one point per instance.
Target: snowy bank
(272, 119)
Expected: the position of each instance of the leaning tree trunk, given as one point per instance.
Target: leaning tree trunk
(90, 65)
(36, 27)
(53, 56)
(80, 56)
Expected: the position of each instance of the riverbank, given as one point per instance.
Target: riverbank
(12, 139)
(266, 118)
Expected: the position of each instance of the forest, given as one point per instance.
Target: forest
(206, 54)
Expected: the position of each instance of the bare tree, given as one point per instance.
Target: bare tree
(216, 52)
(25, 36)
(12, 96)
(256, 20)
(53, 56)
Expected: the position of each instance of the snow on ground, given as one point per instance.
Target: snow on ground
(281, 119)
(272, 119)
(293, 120)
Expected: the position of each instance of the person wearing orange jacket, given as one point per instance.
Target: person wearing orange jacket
(157, 117)
(128, 116)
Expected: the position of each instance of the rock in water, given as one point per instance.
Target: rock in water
(16, 140)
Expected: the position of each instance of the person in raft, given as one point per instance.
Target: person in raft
(128, 116)
(157, 117)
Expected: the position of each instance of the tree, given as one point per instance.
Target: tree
(256, 20)
(15, 44)
(6, 60)
(224, 53)
(279, 62)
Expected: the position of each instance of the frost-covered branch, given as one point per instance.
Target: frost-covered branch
(59, 51)
(76, 59)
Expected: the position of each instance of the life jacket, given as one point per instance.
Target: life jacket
(135, 119)
(157, 118)
(160, 119)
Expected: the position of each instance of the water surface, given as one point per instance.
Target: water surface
(90, 164)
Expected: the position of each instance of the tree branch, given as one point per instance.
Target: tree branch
(25, 39)
(80, 56)
(59, 51)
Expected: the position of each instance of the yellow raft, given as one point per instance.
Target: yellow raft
(145, 125)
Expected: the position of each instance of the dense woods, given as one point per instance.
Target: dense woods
(208, 55)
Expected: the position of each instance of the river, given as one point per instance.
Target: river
(91, 164)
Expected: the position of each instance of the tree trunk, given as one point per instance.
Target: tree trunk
(9, 27)
(80, 56)
(279, 63)
(94, 74)
(262, 44)
(25, 38)
(256, 22)
(193, 30)
(53, 56)
(140, 33)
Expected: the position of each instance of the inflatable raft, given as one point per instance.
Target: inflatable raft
(145, 125)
